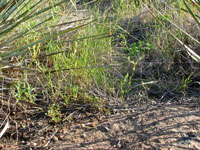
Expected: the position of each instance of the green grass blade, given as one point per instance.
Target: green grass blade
(190, 36)
(190, 52)
(9, 8)
(19, 51)
(12, 9)
(16, 36)
(190, 11)
(29, 17)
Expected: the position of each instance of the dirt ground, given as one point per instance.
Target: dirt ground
(172, 126)
(164, 126)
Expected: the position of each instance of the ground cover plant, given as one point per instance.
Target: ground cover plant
(65, 62)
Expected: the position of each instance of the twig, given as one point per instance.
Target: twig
(51, 138)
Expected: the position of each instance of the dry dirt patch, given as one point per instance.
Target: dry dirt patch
(159, 126)
(164, 126)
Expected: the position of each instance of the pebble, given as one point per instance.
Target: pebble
(55, 138)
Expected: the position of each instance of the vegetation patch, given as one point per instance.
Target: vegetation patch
(66, 62)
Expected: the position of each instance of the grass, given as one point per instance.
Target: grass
(127, 51)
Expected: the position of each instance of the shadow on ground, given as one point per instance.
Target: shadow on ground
(172, 125)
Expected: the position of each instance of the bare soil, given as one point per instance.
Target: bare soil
(163, 126)
(154, 126)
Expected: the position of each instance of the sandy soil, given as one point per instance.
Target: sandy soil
(171, 126)
(166, 126)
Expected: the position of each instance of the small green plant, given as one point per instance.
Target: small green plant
(138, 48)
(186, 81)
(127, 80)
(54, 113)
(24, 92)
(123, 87)
(74, 91)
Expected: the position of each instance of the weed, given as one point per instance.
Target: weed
(139, 48)
(185, 82)
(24, 92)
(54, 113)
(126, 82)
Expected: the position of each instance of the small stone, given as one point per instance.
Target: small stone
(84, 135)
(40, 123)
(34, 144)
(83, 125)
(65, 130)
(55, 138)
(61, 137)
(23, 142)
